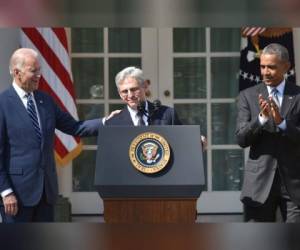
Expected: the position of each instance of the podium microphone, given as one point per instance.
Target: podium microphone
(156, 107)
(156, 104)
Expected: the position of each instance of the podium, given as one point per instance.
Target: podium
(131, 196)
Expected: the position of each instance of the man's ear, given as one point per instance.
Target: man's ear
(144, 86)
(16, 73)
(288, 66)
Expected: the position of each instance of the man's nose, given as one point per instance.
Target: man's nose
(130, 93)
(266, 71)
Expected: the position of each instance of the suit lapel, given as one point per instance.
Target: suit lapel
(17, 104)
(151, 114)
(41, 110)
(288, 98)
(125, 117)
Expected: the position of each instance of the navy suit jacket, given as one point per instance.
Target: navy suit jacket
(161, 116)
(27, 166)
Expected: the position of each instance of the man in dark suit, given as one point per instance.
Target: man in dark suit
(269, 122)
(132, 89)
(28, 118)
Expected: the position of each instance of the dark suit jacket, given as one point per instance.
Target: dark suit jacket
(26, 165)
(162, 116)
(269, 147)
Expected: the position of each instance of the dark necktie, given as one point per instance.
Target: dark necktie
(140, 119)
(33, 116)
(274, 93)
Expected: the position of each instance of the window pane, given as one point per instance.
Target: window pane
(223, 123)
(115, 66)
(87, 40)
(192, 114)
(189, 40)
(224, 77)
(84, 171)
(124, 40)
(87, 112)
(225, 39)
(88, 77)
(189, 78)
(227, 169)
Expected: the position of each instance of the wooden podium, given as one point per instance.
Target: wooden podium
(169, 196)
(150, 211)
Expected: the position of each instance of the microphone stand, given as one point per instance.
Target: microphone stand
(141, 108)
(157, 105)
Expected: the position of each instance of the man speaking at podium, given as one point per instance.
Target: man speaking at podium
(139, 112)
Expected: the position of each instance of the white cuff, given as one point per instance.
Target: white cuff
(262, 119)
(6, 192)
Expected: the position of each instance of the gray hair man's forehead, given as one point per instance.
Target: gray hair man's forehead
(278, 50)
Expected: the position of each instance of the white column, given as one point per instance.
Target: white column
(9, 38)
(296, 36)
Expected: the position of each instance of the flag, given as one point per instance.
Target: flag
(254, 39)
(56, 80)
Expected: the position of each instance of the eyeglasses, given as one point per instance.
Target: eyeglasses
(36, 72)
(125, 92)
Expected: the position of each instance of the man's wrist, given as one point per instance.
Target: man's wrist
(282, 125)
(103, 120)
(279, 120)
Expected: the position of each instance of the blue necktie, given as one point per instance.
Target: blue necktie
(33, 116)
(274, 93)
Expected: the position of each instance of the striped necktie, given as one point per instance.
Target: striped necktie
(33, 116)
(274, 93)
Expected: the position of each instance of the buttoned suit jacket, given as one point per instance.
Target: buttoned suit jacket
(163, 115)
(270, 147)
(27, 166)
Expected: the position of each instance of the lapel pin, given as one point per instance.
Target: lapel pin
(41, 101)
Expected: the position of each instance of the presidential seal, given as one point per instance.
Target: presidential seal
(149, 152)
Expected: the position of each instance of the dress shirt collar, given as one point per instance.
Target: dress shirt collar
(21, 92)
(133, 114)
(279, 87)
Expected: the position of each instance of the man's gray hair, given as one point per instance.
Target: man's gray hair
(131, 71)
(18, 58)
(278, 50)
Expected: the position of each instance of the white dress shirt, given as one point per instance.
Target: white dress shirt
(134, 115)
(22, 94)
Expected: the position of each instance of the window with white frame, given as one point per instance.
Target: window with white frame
(205, 85)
